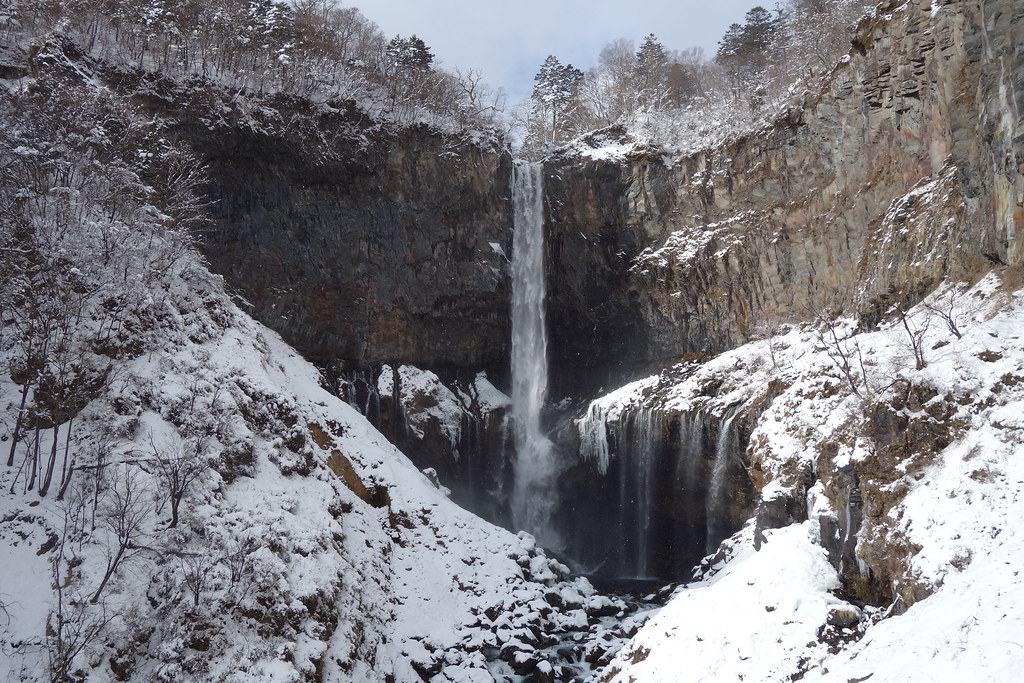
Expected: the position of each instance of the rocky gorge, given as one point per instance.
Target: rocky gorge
(373, 249)
(793, 357)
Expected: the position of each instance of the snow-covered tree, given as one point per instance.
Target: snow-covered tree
(408, 53)
(745, 49)
(555, 92)
(309, 48)
(84, 239)
(651, 72)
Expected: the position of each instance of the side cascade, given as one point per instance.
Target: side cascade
(661, 485)
(637, 484)
(534, 495)
(715, 501)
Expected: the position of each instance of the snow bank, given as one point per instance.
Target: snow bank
(308, 545)
(941, 496)
(752, 621)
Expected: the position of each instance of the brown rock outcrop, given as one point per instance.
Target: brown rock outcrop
(908, 167)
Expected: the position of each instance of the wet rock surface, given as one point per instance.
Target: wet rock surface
(655, 486)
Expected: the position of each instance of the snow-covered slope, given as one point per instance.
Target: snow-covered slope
(181, 499)
(308, 547)
(936, 456)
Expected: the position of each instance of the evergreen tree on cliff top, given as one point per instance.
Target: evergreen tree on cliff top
(651, 73)
(744, 49)
(409, 53)
(555, 90)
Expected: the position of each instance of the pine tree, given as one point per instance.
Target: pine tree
(744, 49)
(555, 90)
(651, 58)
(419, 55)
(731, 48)
(409, 53)
(759, 31)
(651, 72)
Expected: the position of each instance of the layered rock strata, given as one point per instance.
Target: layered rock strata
(362, 245)
(907, 167)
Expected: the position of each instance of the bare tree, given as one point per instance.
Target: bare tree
(483, 101)
(73, 625)
(950, 311)
(916, 328)
(125, 516)
(842, 348)
(179, 464)
(236, 559)
(769, 327)
(197, 568)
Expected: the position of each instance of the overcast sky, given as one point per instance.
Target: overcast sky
(508, 39)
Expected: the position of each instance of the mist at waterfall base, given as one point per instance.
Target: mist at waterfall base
(642, 496)
(618, 486)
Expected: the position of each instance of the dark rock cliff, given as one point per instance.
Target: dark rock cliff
(908, 167)
(364, 246)
(360, 244)
(672, 487)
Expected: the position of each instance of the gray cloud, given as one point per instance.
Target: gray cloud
(507, 41)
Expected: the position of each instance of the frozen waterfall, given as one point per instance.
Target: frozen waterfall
(533, 494)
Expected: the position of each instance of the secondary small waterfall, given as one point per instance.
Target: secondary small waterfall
(533, 495)
(661, 487)
(639, 483)
(716, 496)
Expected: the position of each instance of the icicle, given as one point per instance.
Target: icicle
(594, 435)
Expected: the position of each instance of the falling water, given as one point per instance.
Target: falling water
(647, 437)
(691, 442)
(715, 500)
(533, 493)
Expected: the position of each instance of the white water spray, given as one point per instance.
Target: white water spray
(533, 493)
(716, 496)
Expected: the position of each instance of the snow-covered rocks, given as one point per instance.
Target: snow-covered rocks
(907, 474)
(751, 621)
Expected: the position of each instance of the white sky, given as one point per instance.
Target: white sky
(508, 39)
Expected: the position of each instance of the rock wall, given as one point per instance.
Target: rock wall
(357, 243)
(454, 428)
(364, 246)
(907, 167)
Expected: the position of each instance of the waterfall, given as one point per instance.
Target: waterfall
(691, 447)
(647, 437)
(715, 500)
(533, 494)
(659, 488)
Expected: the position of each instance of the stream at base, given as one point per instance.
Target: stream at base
(575, 656)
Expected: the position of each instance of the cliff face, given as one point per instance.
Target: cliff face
(368, 246)
(363, 245)
(907, 168)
